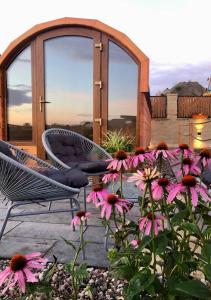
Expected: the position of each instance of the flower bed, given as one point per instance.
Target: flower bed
(163, 254)
(100, 284)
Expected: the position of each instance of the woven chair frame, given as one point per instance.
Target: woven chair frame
(22, 184)
(92, 150)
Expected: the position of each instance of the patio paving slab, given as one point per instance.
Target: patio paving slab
(44, 233)
(95, 255)
(11, 245)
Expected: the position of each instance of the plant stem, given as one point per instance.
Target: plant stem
(114, 214)
(143, 199)
(80, 247)
(153, 232)
(121, 188)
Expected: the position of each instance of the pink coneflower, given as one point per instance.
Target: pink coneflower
(159, 186)
(19, 270)
(135, 244)
(204, 158)
(162, 149)
(81, 216)
(184, 149)
(112, 176)
(189, 184)
(98, 193)
(113, 202)
(145, 223)
(141, 178)
(120, 162)
(189, 166)
(140, 156)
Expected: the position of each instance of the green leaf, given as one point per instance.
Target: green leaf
(69, 243)
(194, 288)
(161, 243)
(140, 282)
(145, 242)
(207, 219)
(146, 259)
(206, 251)
(181, 205)
(81, 272)
(207, 271)
(180, 216)
(192, 228)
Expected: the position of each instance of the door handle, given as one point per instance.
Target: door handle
(42, 101)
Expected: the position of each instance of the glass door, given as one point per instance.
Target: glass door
(68, 67)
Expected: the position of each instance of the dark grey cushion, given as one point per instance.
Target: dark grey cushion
(72, 178)
(94, 166)
(97, 166)
(6, 150)
(67, 148)
(206, 176)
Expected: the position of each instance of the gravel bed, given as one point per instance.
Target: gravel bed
(100, 283)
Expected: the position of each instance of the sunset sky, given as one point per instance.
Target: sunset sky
(174, 34)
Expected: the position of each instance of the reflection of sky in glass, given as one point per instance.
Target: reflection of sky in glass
(123, 79)
(19, 89)
(68, 80)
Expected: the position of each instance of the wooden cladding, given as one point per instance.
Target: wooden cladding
(159, 106)
(189, 106)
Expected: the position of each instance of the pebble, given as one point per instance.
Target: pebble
(101, 283)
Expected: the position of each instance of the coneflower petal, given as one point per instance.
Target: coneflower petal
(29, 275)
(173, 193)
(194, 196)
(142, 223)
(148, 227)
(4, 274)
(155, 228)
(21, 281)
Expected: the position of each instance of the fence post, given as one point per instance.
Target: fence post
(172, 106)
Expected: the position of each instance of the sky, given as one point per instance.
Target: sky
(174, 34)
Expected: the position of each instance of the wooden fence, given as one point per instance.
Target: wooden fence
(189, 106)
(159, 106)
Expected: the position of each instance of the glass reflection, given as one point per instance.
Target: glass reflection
(19, 98)
(68, 83)
(122, 91)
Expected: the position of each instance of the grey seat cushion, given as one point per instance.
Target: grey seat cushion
(206, 176)
(72, 178)
(6, 150)
(90, 166)
(67, 148)
(70, 151)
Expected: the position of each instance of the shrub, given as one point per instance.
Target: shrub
(116, 140)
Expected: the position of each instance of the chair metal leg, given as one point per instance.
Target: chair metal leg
(83, 254)
(6, 219)
(85, 199)
(106, 238)
(85, 207)
(49, 206)
(72, 212)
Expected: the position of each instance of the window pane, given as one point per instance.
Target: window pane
(68, 83)
(122, 93)
(19, 98)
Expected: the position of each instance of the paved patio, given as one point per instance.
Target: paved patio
(44, 233)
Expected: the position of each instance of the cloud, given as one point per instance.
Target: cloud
(164, 76)
(19, 94)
